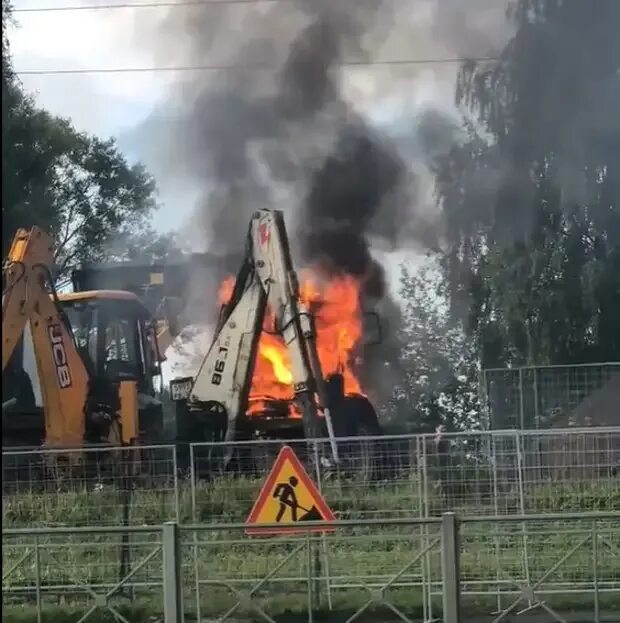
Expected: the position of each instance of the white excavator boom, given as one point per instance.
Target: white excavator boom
(266, 279)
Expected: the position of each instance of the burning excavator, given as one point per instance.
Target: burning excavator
(281, 363)
(264, 374)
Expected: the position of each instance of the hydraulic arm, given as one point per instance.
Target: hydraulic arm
(25, 298)
(266, 279)
(79, 405)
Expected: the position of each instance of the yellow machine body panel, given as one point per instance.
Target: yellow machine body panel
(129, 412)
(61, 371)
(75, 338)
(64, 379)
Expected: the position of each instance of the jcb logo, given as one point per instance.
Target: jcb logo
(60, 356)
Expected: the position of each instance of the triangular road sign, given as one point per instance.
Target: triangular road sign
(289, 498)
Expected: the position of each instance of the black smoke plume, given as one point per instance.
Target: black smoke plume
(278, 132)
(345, 196)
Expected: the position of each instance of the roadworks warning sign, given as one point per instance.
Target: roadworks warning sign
(288, 498)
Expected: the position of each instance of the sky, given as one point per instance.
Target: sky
(101, 104)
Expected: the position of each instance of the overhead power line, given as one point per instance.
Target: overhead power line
(140, 5)
(184, 68)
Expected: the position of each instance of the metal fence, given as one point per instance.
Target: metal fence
(524, 540)
(94, 486)
(366, 570)
(552, 396)
(486, 473)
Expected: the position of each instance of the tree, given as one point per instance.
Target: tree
(532, 198)
(439, 386)
(76, 186)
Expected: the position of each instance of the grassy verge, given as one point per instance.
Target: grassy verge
(217, 564)
(228, 499)
(492, 553)
(282, 610)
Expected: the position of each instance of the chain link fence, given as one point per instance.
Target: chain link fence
(552, 396)
(525, 498)
(484, 473)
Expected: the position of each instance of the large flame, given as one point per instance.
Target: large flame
(335, 305)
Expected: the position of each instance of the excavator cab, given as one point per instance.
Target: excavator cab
(114, 334)
(115, 337)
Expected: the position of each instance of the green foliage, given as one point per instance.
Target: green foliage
(574, 499)
(439, 384)
(533, 206)
(469, 490)
(76, 186)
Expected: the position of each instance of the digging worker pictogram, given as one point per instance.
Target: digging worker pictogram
(288, 499)
(285, 492)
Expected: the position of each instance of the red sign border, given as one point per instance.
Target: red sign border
(286, 453)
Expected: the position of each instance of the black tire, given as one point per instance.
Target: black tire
(356, 417)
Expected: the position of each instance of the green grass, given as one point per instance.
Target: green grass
(289, 610)
(230, 499)
(354, 556)
(137, 613)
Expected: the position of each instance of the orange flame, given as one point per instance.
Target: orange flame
(335, 305)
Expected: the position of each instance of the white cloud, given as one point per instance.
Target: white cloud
(99, 103)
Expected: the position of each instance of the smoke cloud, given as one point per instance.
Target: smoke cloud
(289, 127)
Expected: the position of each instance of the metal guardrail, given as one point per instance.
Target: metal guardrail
(195, 572)
(390, 494)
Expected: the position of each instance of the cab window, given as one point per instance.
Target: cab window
(122, 350)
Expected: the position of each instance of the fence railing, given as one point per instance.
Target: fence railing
(385, 569)
(538, 397)
(93, 486)
(484, 473)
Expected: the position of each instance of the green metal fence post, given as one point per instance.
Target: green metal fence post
(173, 593)
(450, 570)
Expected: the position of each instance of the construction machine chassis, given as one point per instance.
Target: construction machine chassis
(354, 418)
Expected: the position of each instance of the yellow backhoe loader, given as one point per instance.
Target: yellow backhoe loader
(96, 357)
